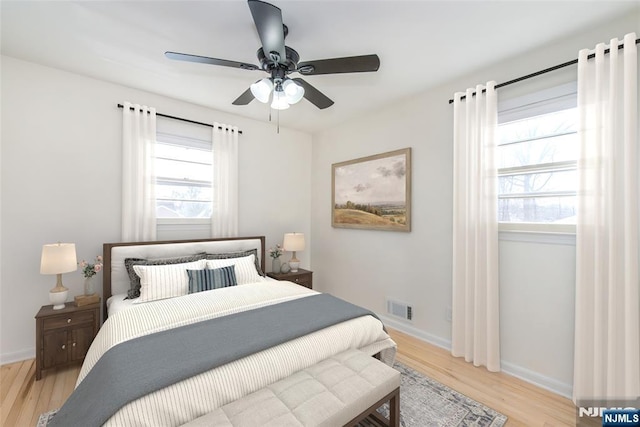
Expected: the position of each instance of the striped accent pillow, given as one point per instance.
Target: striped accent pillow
(164, 281)
(208, 279)
(244, 267)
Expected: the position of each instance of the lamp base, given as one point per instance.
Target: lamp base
(58, 299)
(294, 263)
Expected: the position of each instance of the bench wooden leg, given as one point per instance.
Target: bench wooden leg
(394, 411)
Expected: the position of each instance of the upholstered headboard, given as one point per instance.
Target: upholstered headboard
(116, 279)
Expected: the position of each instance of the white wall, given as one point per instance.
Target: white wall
(365, 267)
(60, 176)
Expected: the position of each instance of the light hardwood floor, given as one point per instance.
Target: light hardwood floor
(523, 403)
(23, 399)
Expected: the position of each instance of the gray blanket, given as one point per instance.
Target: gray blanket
(143, 365)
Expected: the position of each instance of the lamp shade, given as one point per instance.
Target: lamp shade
(292, 91)
(293, 242)
(261, 90)
(279, 100)
(58, 258)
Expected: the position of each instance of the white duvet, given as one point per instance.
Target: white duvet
(203, 393)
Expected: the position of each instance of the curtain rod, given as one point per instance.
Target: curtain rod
(546, 70)
(181, 119)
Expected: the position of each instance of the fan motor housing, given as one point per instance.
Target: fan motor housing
(289, 65)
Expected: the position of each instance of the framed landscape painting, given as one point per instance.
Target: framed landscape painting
(373, 192)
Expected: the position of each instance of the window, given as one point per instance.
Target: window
(184, 172)
(536, 159)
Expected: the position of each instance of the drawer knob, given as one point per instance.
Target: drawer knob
(297, 280)
(68, 320)
(74, 344)
(64, 346)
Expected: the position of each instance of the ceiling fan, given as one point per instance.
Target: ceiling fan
(279, 61)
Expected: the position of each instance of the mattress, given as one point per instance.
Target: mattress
(204, 393)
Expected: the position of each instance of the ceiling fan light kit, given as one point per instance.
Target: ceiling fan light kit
(292, 91)
(279, 101)
(284, 93)
(279, 61)
(261, 90)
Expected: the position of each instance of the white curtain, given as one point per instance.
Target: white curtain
(607, 325)
(138, 177)
(224, 218)
(475, 316)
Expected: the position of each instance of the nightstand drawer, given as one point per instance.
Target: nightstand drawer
(70, 319)
(302, 281)
(301, 277)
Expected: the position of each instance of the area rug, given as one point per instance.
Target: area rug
(423, 403)
(44, 418)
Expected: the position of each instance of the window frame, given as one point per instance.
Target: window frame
(541, 102)
(185, 135)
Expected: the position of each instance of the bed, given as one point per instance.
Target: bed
(129, 321)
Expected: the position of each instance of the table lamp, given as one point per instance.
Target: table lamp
(58, 258)
(293, 242)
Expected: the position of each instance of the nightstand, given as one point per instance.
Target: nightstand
(63, 336)
(301, 277)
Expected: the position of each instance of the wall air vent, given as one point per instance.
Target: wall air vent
(399, 309)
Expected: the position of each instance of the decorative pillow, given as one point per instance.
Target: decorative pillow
(239, 254)
(164, 281)
(244, 267)
(208, 279)
(134, 279)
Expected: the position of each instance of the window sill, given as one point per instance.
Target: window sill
(542, 237)
(192, 227)
(183, 221)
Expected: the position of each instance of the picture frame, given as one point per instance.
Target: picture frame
(373, 192)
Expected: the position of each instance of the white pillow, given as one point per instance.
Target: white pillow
(245, 268)
(165, 281)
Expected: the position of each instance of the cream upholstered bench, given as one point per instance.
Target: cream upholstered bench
(339, 391)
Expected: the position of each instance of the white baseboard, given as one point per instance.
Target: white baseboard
(17, 356)
(415, 332)
(512, 369)
(542, 381)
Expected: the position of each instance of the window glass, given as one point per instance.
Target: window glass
(555, 210)
(538, 184)
(538, 151)
(184, 175)
(536, 158)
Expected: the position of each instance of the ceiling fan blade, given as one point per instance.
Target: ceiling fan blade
(213, 61)
(348, 64)
(313, 95)
(245, 98)
(268, 20)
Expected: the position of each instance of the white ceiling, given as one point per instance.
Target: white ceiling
(420, 44)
